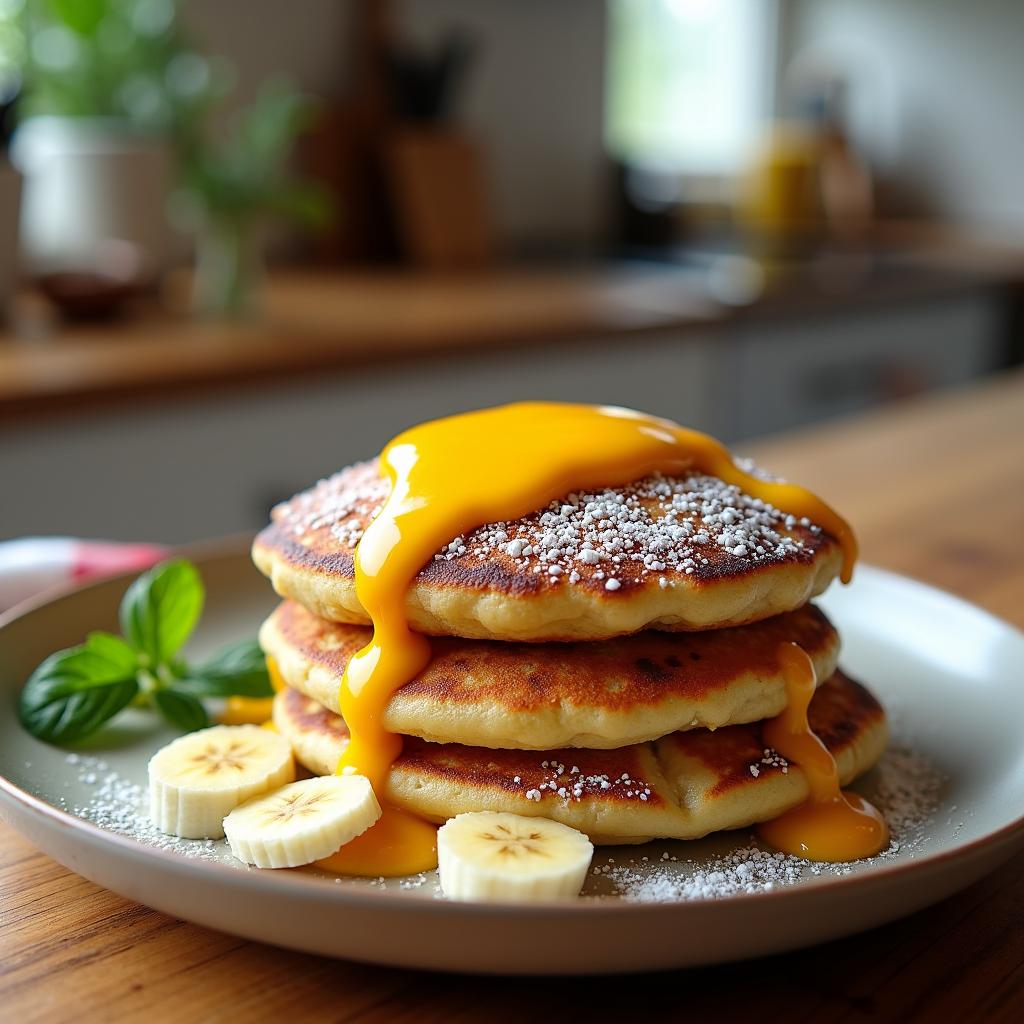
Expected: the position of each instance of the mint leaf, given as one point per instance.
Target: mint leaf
(238, 671)
(109, 654)
(161, 608)
(181, 709)
(73, 692)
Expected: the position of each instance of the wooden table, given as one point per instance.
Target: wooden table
(911, 480)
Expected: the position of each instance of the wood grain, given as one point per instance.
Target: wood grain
(936, 490)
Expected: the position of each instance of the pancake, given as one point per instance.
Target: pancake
(604, 694)
(682, 786)
(671, 553)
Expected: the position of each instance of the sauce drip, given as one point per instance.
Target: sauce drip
(832, 824)
(398, 844)
(247, 711)
(254, 710)
(452, 475)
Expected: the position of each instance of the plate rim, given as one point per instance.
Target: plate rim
(232, 547)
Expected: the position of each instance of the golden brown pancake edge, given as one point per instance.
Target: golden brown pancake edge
(683, 786)
(534, 696)
(480, 590)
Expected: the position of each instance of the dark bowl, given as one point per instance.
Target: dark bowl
(84, 295)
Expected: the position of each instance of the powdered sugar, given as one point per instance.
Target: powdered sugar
(659, 525)
(344, 502)
(906, 787)
(771, 758)
(571, 784)
(118, 805)
(907, 791)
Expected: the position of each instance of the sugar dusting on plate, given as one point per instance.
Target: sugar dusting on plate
(118, 805)
(907, 791)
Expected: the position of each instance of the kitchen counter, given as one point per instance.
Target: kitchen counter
(69, 950)
(317, 323)
(321, 322)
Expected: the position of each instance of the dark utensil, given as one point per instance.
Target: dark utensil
(423, 82)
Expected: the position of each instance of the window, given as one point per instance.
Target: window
(688, 82)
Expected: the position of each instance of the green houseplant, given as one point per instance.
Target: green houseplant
(107, 86)
(234, 182)
(122, 113)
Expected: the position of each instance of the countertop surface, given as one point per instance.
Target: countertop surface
(935, 489)
(316, 322)
(313, 322)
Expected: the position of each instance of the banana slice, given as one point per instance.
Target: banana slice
(489, 855)
(303, 822)
(199, 778)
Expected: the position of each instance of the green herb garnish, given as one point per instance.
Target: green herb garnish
(73, 692)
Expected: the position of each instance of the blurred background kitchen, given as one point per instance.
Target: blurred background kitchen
(243, 242)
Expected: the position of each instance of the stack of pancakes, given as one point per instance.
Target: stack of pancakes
(606, 662)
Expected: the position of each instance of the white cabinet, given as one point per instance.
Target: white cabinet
(183, 470)
(180, 470)
(775, 375)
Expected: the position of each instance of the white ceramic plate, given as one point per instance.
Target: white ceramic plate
(949, 673)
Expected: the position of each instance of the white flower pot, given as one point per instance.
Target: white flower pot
(89, 181)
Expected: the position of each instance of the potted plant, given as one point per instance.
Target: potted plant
(108, 85)
(233, 181)
(118, 113)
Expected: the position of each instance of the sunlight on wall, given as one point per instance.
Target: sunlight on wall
(687, 82)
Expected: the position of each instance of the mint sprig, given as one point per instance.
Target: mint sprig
(160, 610)
(72, 693)
(75, 691)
